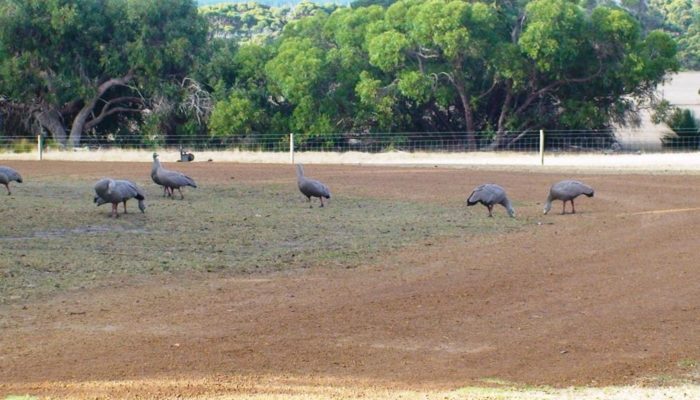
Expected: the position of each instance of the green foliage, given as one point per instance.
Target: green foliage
(296, 68)
(235, 116)
(56, 54)
(686, 129)
(23, 146)
(679, 18)
(554, 34)
(245, 21)
(407, 65)
(387, 50)
(367, 3)
(415, 86)
(152, 129)
(166, 36)
(582, 113)
(256, 21)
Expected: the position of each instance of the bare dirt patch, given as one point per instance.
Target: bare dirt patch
(606, 296)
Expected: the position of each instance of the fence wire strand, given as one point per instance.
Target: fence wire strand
(555, 140)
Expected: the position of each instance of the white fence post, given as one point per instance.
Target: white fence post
(291, 148)
(541, 147)
(39, 147)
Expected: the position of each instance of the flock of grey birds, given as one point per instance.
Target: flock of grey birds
(491, 194)
(115, 191)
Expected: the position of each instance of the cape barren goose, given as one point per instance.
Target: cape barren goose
(311, 187)
(489, 195)
(8, 175)
(154, 174)
(169, 179)
(117, 191)
(567, 190)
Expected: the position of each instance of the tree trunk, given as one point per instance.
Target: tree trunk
(468, 114)
(78, 126)
(469, 121)
(80, 120)
(50, 119)
(499, 140)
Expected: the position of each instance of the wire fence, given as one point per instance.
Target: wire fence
(452, 142)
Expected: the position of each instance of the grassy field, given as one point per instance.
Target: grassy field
(395, 289)
(58, 240)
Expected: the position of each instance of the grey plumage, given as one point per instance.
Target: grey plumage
(311, 187)
(8, 175)
(117, 191)
(490, 194)
(169, 179)
(154, 174)
(567, 190)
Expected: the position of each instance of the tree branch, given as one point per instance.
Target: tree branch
(534, 95)
(105, 86)
(80, 119)
(486, 93)
(107, 110)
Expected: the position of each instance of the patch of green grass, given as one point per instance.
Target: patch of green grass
(688, 363)
(55, 239)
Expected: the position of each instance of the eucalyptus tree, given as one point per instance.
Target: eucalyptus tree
(510, 67)
(681, 18)
(439, 44)
(316, 68)
(72, 64)
(243, 103)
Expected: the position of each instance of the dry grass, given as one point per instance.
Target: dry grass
(274, 388)
(654, 162)
(56, 239)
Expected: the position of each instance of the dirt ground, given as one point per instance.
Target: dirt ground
(608, 296)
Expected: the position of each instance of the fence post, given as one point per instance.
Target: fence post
(291, 148)
(39, 147)
(541, 147)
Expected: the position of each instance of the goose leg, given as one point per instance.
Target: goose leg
(115, 214)
(124, 206)
(182, 196)
(490, 207)
(321, 198)
(563, 210)
(573, 209)
(7, 186)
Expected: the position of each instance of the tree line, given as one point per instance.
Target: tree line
(488, 71)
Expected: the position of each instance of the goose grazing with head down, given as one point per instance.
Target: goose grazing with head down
(8, 175)
(567, 190)
(117, 191)
(489, 195)
(311, 187)
(169, 179)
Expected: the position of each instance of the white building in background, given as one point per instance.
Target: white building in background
(681, 90)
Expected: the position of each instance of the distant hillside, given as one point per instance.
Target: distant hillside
(245, 21)
(272, 3)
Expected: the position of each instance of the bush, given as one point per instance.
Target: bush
(686, 129)
(23, 146)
